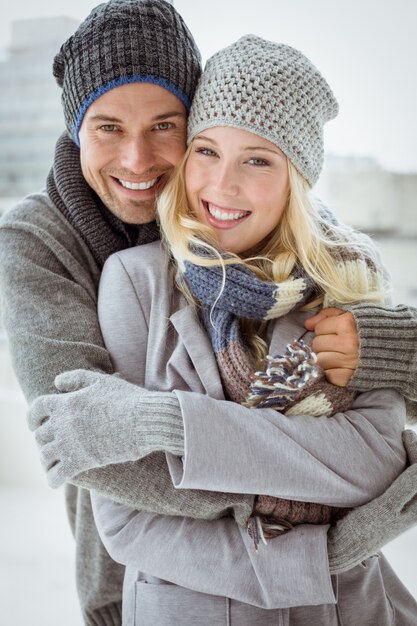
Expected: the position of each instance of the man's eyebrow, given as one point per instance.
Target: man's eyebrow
(101, 117)
(163, 116)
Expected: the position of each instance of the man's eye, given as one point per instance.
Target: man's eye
(164, 125)
(108, 128)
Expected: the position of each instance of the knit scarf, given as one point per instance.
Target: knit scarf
(291, 383)
(103, 232)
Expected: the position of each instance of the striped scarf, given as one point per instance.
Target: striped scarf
(291, 383)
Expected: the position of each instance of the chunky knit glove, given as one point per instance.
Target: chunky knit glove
(99, 419)
(366, 529)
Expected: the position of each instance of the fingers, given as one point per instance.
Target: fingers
(331, 359)
(342, 324)
(51, 463)
(45, 433)
(41, 419)
(311, 322)
(39, 411)
(339, 376)
(76, 379)
(336, 344)
(56, 476)
(48, 455)
(410, 444)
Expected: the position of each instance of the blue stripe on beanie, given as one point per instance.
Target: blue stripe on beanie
(125, 80)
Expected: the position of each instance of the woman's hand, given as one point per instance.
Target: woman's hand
(336, 344)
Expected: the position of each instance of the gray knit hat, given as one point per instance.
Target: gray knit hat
(269, 89)
(125, 41)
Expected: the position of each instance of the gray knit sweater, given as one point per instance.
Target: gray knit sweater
(49, 282)
(388, 351)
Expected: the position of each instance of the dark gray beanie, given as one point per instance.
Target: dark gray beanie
(125, 41)
(269, 89)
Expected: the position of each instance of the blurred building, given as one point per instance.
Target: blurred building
(31, 116)
(368, 197)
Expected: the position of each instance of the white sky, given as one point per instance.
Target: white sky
(367, 50)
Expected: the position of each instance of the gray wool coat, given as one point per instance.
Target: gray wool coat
(186, 571)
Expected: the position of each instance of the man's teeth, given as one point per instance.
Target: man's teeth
(225, 216)
(138, 186)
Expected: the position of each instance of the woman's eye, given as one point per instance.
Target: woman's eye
(258, 162)
(205, 151)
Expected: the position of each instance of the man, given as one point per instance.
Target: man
(128, 75)
(140, 60)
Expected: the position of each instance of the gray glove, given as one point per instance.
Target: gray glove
(366, 529)
(99, 419)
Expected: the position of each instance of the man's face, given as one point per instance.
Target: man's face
(130, 139)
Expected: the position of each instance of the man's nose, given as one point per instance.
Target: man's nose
(137, 154)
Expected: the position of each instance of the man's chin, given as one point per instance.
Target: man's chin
(134, 212)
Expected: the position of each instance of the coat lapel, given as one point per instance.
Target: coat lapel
(198, 347)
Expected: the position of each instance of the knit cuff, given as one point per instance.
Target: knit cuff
(345, 551)
(388, 348)
(109, 615)
(162, 422)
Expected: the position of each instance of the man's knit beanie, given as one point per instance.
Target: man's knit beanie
(125, 41)
(269, 89)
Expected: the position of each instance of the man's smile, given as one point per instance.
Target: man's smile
(139, 185)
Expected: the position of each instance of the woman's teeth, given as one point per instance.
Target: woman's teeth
(138, 186)
(225, 216)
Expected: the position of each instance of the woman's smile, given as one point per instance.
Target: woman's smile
(224, 217)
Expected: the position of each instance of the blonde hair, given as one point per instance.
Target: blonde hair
(304, 236)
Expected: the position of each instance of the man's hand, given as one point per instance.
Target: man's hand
(336, 344)
(99, 419)
(366, 529)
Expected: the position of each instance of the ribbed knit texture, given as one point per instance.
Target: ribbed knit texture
(297, 512)
(108, 615)
(125, 41)
(103, 232)
(271, 90)
(388, 350)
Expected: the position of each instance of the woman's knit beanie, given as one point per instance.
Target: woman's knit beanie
(269, 89)
(125, 41)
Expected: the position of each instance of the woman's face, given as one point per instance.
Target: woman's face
(236, 183)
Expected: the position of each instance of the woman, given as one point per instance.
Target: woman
(247, 256)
